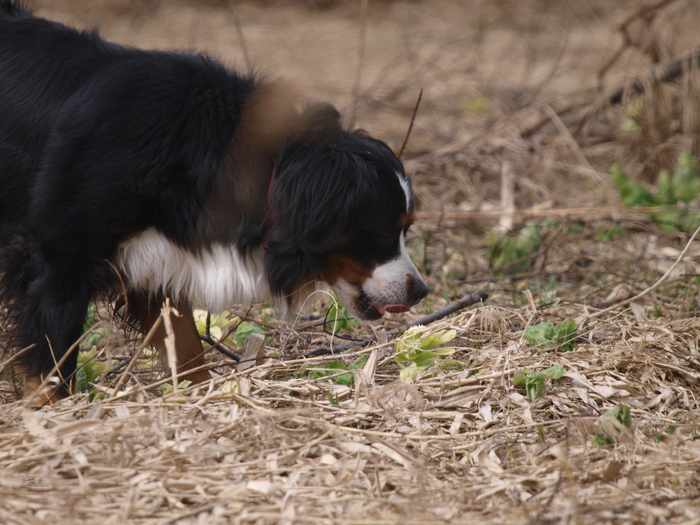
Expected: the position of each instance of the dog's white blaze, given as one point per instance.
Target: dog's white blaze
(406, 187)
(388, 281)
(214, 279)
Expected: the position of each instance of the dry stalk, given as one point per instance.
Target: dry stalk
(355, 90)
(169, 341)
(654, 286)
(241, 38)
(134, 359)
(410, 125)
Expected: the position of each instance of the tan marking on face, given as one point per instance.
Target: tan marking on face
(345, 268)
(405, 220)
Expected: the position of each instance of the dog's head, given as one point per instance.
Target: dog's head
(340, 207)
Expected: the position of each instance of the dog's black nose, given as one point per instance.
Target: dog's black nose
(417, 290)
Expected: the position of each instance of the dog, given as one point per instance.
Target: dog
(157, 175)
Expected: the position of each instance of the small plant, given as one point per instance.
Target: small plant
(244, 331)
(339, 318)
(333, 368)
(417, 351)
(95, 335)
(89, 370)
(167, 388)
(534, 382)
(506, 250)
(218, 325)
(611, 424)
(672, 192)
(552, 336)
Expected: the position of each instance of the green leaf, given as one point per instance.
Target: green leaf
(550, 335)
(608, 425)
(664, 190)
(90, 317)
(339, 318)
(436, 339)
(331, 368)
(564, 335)
(631, 193)
(685, 182)
(411, 371)
(539, 334)
(534, 382)
(81, 383)
(556, 372)
(420, 349)
(244, 330)
(359, 363)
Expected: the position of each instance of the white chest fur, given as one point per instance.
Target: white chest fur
(214, 279)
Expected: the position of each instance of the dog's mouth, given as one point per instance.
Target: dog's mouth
(371, 310)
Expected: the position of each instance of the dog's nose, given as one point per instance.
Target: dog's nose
(417, 290)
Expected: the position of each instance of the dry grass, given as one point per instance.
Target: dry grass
(268, 446)
(516, 125)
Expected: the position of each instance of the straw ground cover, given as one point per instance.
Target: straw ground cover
(526, 108)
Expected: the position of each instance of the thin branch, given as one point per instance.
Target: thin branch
(221, 347)
(658, 75)
(350, 118)
(653, 286)
(241, 38)
(467, 300)
(410, 126)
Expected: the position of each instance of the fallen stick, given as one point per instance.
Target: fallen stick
(467, 300)
(659, 74)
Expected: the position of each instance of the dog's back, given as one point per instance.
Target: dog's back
(61, 62)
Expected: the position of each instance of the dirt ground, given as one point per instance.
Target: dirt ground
(527, 105)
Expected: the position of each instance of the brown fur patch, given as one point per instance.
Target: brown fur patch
(346, 268)
(48, 396)
(406, 220)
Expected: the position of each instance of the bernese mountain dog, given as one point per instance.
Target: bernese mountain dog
(166, 175)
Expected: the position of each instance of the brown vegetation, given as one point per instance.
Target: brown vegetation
(526, 105)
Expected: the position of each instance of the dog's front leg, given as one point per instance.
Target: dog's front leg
(189, 353)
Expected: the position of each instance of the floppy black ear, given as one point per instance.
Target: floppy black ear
(316, 183)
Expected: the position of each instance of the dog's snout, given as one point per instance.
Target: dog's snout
(417, 290)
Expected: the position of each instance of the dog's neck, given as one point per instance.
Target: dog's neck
(238, 210)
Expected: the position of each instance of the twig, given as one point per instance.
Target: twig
(221, 347)
(597, 211)
(410, 126)
(166, 312)
(467, 300)
(134, 358)
(564, 131)
(658, 75)
(647, 12)
(241, 39)
(653, 286)
(350, 118)
(14, 356)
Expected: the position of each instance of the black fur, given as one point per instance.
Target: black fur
(99, 142)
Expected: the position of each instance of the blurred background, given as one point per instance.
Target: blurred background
(529, 110)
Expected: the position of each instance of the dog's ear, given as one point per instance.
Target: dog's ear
(319, 123)
(316, 184)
